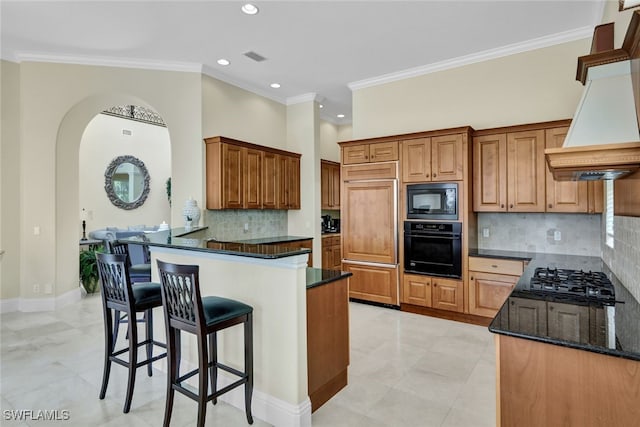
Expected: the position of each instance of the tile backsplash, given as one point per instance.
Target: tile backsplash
(230, 224)
(579, 234)
(624, 258)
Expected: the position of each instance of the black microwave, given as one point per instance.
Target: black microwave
(433, 201)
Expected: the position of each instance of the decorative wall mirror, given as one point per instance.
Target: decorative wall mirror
(126, 182)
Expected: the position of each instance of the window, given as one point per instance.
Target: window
(608, 213)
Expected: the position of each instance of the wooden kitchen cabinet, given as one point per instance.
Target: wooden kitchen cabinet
(416, 290)
(306, 243)
(369, 153)
(288, 182)
(490, 283)
(439, 158)
(372, 282)
(330, 185)
(526, 169)
(564, 196)
(447, 294)
(270, 181)
(331, 252)
(490, 173)
(241, 175)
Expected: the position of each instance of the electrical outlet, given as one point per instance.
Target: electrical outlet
(557, 235)
(36, 288)
(485, 232)
(48, 289)
(246, 226)
(36, 230)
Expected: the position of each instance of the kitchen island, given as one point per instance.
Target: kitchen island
(276, 282)
(562, 360)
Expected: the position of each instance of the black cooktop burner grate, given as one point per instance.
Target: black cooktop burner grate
(591, 285)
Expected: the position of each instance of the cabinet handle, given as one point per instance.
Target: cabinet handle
(434, 175)
(550, 205)
(502, 206)
(494, 266)
(471, 278)
(551, 308)
(427, 175)
(511, 206)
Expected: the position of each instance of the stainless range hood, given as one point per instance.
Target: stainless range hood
(603, 141)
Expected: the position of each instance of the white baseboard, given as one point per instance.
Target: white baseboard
(264, 407)
(39, 304)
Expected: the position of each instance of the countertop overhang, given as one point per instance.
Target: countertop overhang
(625, 321)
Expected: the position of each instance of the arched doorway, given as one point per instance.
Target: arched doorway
(67, 204)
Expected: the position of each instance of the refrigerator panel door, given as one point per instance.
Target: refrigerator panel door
(369, 221)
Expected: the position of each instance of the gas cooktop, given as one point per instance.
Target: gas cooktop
(577, 284)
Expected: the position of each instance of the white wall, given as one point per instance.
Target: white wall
(329, 150)
(528, 87)
(57, 101)
(10, 180)
(103, 140)
(236, 113)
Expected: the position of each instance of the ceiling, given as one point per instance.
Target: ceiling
(321, 47)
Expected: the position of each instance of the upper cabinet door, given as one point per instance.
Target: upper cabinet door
(353, 154)
(416, 160)
(526, 171)
(336, 182)
(447, 158)
(490, 173)
(269, 180)
(563, 196)
(383, 151)
(232, 177)
(253, 179)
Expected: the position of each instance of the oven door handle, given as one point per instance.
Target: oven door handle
(436, 236)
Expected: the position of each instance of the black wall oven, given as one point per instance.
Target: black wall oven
(433, 248)
(433, 201)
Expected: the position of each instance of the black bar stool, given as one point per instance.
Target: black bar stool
(138, 273)
(119, 295)
(186, 310)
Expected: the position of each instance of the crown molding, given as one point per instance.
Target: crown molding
(512, 49)
(216, 74)
(187, 67)
(305, 97)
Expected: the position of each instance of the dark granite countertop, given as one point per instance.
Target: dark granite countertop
(273, 240)
(198, 239)
(495, 253)
(613, 330)
(318, 276)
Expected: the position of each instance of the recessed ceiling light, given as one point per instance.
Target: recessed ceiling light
(321, 106)
(275, 85)
(249, 9)
(223, 61)
(340, 116)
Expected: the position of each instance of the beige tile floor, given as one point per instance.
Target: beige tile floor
(406, 370)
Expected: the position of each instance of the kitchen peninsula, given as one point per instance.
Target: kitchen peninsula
(565, 359)
(297, 367)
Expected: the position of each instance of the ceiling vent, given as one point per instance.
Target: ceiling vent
(255, 56)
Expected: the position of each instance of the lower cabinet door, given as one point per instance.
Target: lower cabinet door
(371, 282)
(447, 294)
(487, 292)
(416, 290)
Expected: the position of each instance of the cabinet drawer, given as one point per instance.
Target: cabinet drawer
(494, 265)
(330, 240)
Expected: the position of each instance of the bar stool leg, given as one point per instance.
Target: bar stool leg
(213, 370)
(172, 375)
(108, 349)
(203, 386)
(148, 323)
(133, 361)
(116, 327)
(248, 365)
